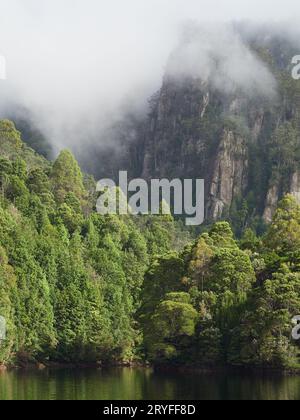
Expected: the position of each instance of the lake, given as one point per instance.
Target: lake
(144, 384)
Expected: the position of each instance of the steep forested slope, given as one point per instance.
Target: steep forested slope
(70, 278)
(243, 142)
(76, 286)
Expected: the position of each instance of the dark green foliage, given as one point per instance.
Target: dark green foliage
(244, 299)
(264, 336)
(33, 136)
(76, 286)
(70, 279)
(171, 328)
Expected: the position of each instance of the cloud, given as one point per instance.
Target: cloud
(217, 55)
(77, 64)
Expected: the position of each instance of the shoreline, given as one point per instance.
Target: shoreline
(40, 366)
(201, 370)
(240, 370)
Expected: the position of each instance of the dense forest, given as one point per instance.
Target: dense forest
(76, 286)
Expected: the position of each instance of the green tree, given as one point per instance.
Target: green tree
(264, 335)
(284, 233)
(67, 177)
(172, 328)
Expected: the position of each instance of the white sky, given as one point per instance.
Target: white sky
(72, 59)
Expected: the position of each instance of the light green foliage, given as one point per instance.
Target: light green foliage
(10, 143)
(66, 177)
(76, 286)
(7, 302)
(70, 280)
(171, 328)
(244, 299)
(284, 233)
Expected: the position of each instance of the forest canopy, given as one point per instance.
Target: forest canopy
(76, 286)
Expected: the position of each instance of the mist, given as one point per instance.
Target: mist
(218, 55)
(79, 66)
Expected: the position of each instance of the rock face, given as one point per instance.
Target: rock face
(295, 185)
(194, 131)
(174, 143)
(244, 145)
(229, 176)
(271, 203)
(187, 139)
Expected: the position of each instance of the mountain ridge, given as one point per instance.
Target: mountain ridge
(246, 148)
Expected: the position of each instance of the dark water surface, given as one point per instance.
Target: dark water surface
(144, 384)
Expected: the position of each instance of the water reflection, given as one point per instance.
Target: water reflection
(144, 384)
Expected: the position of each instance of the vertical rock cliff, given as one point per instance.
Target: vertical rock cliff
(245, 146)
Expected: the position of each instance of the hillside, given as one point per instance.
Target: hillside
(69, 279)
(243, 142)
(78, 287)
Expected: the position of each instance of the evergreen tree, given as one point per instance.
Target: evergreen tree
(67, 177)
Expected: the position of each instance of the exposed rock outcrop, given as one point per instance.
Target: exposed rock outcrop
(195, 132)
(271, 203)
(229, 177)
(295, 185)
(234, 140)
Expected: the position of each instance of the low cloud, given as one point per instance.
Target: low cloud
(79, 66)
(217, 55)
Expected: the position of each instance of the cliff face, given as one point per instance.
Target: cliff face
(245, 147)
(229, 175)
(193, 132)
(295, 185)
(176, 142)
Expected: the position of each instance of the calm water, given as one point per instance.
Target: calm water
(143, 384)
